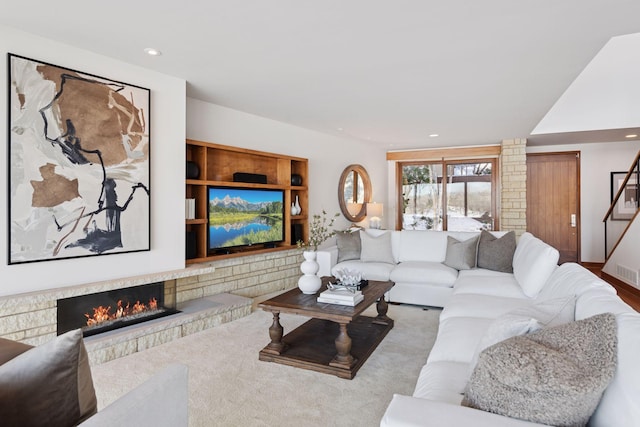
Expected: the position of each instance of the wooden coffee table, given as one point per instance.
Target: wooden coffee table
(336, 340)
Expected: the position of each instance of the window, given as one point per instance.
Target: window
(461, 199)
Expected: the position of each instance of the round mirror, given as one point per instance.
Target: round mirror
(354, 191)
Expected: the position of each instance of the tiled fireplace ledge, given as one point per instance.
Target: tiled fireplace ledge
(31, 317)
(195, 316)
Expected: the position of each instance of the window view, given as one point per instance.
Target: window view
(468, 203)
(422, 197)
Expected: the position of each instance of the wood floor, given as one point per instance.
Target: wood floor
(629, 294)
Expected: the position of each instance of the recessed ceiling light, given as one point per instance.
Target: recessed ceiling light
(434, 135)
(633, 135)
(340, 129)
(153, 52)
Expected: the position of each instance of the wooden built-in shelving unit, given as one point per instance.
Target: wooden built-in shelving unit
(218, 163)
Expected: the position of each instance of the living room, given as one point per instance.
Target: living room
(177, 116)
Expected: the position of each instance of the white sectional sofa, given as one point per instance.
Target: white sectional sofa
(416, 267)
(478, 305)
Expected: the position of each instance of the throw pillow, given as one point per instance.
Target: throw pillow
(533, 263)
(496, 253)
(461, 255)
(349, 245)
(48, 385)
(376, 249)
(555, 376)
(10, 349)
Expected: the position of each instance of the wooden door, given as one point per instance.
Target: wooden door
(553, 201)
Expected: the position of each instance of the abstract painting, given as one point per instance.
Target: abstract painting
(78, 164)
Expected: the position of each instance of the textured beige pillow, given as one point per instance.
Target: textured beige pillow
(555, 376)
(48, 385)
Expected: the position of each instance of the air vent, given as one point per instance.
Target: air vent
(627, 273)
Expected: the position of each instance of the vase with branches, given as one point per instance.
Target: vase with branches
(320, 229)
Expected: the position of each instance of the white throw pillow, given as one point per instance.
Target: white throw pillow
(533, 263)
(376, 249)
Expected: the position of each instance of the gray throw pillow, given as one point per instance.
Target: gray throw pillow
(48, 385)
(461, 255)
(555, 376)
(348, 245)
(10, 349)
(496, 253)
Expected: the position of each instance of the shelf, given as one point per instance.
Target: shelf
(216, 166)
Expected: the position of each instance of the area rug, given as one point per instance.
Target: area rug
(229, 386)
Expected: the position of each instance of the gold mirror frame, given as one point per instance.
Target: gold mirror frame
(360, 174)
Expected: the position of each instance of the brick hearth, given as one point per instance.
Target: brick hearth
(207, 294)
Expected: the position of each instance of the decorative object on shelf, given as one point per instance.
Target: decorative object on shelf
(192, 170)
(319, 231)
(374, 212)
(310, 283)
(296, 179)
(75, 191)
(190, 209)
(298, 208)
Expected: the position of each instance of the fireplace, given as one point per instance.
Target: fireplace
(105, 311)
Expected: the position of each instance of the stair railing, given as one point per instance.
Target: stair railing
(631, 191)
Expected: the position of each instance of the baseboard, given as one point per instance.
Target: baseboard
(628, 293)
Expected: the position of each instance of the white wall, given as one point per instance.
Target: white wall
(328, 155)
(597, 161)
(167, 172)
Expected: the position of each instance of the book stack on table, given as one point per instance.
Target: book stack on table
(341, 297)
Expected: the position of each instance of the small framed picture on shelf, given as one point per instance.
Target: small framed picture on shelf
(627, 204)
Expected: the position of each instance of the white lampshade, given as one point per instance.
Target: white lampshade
(374, 212)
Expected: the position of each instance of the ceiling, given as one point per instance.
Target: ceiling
(388, 72)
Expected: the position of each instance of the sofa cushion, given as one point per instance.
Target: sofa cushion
(571, 279)
(499, 285)
(526, 319)
(422, 246)
(461, 255)
(600, 300)
(48, 385)
(619, 405)
(496, 253)
(477, 305)
(348, 244)
(369, 270)
(376, 248)
(555, 376)
(533, 263)
(443, 381)
(10, 349)
(424, 272)
(458, 338)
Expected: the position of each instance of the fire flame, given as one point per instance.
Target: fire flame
(103, 314)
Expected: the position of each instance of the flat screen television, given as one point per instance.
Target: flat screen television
(244, 217)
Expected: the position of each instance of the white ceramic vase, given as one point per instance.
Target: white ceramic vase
(298, 208)
(309, 283)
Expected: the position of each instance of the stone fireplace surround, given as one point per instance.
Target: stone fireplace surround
(206, 294)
